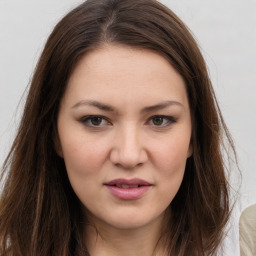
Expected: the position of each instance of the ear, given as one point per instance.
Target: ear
(190, 150)
(57, 144)
(58, 148)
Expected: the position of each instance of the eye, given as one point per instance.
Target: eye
(94, 121)
(161, 121)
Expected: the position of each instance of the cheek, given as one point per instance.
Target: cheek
(172, 153)
(170, 160)
(83, 157)
(84, 163)
(171, 167)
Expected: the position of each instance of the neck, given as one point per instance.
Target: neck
(104, 240)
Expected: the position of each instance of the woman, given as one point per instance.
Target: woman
(119, 151)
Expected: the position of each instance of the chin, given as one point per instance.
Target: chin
(132, 220)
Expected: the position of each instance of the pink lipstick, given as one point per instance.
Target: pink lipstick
(128, 189)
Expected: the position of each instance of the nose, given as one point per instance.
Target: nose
(128, 151)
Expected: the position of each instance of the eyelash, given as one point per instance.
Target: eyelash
(87, 121)
(169, 120)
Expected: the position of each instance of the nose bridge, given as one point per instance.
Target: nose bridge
(129, 139)
(129, 151)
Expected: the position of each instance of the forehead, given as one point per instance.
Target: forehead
(120, 72)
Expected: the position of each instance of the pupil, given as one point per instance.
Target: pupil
(158, 120)
(96, 120)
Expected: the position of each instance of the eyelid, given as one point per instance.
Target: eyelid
(170, 120)
(86, 119)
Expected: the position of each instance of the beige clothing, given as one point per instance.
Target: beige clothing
(247, 231)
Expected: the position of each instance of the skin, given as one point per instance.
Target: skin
(123, 86)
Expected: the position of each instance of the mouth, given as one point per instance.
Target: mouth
(125, 183)
(128, 189)
(127, 186)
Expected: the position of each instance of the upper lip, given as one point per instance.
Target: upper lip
(130, 182)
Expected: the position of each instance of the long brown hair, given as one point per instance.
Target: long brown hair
(40, 215)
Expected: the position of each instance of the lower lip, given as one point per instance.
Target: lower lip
(128, 193)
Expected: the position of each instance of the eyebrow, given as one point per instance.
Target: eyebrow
(109, 108)
(94, 103)
(162, 105)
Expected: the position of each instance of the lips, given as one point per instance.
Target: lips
(128, 189)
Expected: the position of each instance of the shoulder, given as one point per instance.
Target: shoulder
(249, 213)
(247, 231)
(247, 220)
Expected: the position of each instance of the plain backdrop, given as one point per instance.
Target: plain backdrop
(224, 29)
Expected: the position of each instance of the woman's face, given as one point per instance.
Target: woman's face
(124, 129)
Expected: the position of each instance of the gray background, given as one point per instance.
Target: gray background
(226, 33)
